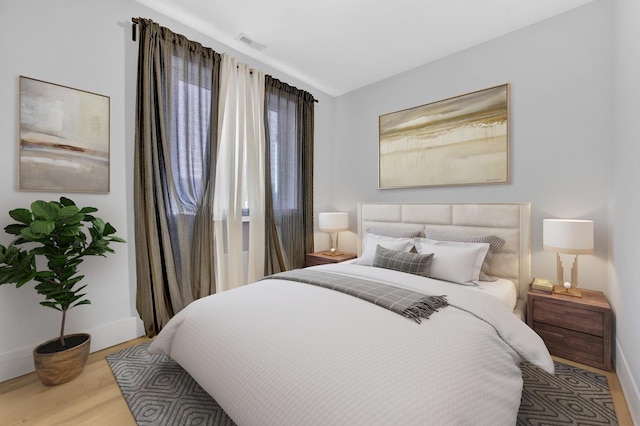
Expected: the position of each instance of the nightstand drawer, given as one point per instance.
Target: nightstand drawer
(574, 318)
(570, 344)
(315, 260)
(323, 257)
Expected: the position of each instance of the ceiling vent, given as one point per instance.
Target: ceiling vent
(247, 40)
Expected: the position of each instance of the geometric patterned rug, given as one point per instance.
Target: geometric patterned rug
(573, 396)
(160, 392)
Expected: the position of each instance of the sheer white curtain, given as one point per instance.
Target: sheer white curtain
(239, 176)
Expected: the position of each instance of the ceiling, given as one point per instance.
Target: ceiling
(341, 45)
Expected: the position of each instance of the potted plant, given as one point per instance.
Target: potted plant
(49, 246)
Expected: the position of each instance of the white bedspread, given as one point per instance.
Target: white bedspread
(283, 353)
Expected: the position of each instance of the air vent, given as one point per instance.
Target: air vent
(247, 40)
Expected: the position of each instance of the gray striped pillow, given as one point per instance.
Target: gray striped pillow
(412, 263)
(494, 242)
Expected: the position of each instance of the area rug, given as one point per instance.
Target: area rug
(160, 392)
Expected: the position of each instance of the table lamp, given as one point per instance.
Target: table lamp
(570, 236)
(333, 222)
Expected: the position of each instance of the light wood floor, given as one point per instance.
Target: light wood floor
(94, 398)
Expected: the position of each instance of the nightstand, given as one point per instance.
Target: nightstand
(574, 328)
(323, 257)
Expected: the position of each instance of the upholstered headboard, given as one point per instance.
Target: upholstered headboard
(510, 221)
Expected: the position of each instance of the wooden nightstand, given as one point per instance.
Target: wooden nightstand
(322, 258)
(575, 328)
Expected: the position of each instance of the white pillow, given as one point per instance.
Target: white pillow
(454, 261)
(371, 242)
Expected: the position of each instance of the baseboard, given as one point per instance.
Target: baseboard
(20, 361)
(628, 385)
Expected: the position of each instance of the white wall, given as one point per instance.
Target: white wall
(624, 290)
(85, 44)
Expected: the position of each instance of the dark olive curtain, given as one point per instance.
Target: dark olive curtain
(175, 157)
(289, 116)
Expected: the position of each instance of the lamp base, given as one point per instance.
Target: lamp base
(573, 291)
(332, 252)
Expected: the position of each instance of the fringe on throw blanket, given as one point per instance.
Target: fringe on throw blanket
(425, 307)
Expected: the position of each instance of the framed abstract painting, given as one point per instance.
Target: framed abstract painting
(462, 140)
(64, 138)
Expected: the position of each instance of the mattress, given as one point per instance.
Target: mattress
(502, 289)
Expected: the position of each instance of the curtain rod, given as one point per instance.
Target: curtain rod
(134, 23)
(133, 28)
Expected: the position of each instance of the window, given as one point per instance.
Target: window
(283, 145)
(191, 112)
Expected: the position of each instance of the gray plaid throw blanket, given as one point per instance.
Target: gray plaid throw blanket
(408, 303)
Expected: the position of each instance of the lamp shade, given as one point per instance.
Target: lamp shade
(571, 236)
(333, 222)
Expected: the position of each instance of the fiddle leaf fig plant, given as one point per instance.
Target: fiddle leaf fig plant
(50, 243)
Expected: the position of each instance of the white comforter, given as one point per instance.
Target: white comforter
(283, 353)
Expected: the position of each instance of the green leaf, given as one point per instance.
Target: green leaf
(14, 229)
(87, 210)
(99, 225)
(108, 229)
(71, 282)
(26, 278)
(14, 276)
(70, 216)
(56, 262)
(50, 290)
(70, 231)
(42, 227)
(75, 298)
(82, 302)
(46, 275)
(66, 201)
(21, 215)
(45, 210)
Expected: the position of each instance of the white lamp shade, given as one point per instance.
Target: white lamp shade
(571, 236)
(333, 222)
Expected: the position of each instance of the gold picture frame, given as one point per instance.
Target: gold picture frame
(64, 138)
(462, 140)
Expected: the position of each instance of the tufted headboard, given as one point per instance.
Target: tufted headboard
(510, 221)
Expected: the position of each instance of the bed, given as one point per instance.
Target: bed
(283, 352)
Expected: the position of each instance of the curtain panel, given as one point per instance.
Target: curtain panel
(289, 116)
(175, 160)
(240, 181)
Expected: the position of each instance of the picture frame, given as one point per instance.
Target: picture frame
(64, 138)
(463, 140)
